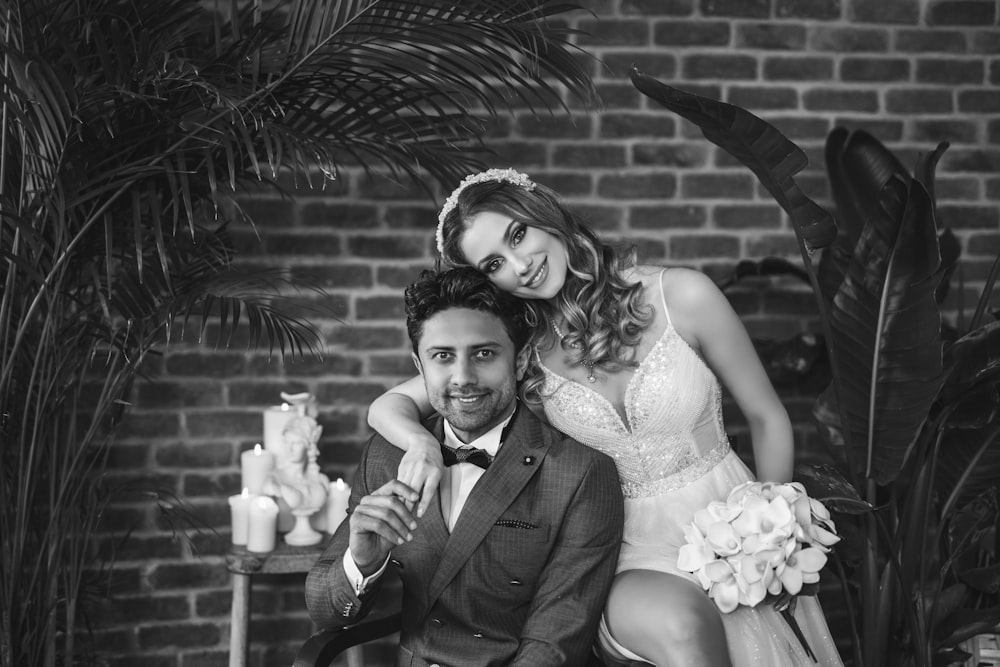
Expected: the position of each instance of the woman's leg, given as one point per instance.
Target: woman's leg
(667, 619)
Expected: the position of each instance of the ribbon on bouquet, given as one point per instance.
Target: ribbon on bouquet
(786, 607)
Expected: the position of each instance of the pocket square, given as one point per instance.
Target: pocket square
(516, 523)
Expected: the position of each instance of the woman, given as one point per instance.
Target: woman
(627, 362)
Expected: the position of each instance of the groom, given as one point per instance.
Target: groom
(513, 566)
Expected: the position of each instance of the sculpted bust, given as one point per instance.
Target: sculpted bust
(298, 480)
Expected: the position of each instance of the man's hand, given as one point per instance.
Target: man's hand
(421, 468)
(381, 521)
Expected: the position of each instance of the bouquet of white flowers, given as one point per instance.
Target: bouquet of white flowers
(765, 542)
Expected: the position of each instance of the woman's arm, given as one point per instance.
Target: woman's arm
(703, 316)
(398, 416)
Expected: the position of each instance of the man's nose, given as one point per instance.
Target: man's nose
(463, 373)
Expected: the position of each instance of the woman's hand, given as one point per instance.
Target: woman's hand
(421, 468)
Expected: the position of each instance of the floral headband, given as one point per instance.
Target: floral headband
(499, 175)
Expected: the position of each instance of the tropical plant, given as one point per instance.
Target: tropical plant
(130, 129)
(911, 411)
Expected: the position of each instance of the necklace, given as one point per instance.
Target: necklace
(589, 365)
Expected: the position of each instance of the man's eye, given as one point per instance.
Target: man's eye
(441, 356)
(486, 354)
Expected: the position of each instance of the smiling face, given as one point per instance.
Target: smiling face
(470, 369)
(525, 261)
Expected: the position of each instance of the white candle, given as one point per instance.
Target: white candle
(262, 530)
(336, 504)
(256, 466)
(239, 506)
(275, 418)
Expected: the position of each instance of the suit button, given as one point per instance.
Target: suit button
(396, 563)
(515, 582)
(478, 635)
(437, 622)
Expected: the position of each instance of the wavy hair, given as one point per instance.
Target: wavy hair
(604, 313)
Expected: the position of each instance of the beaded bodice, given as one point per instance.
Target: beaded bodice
(672, 432)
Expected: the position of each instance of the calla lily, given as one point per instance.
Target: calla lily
(801, 567)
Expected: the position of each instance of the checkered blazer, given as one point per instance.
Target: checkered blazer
(522, 579)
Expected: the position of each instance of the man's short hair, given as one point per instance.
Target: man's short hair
(463, 287)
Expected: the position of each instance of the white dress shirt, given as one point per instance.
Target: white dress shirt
(456, 485)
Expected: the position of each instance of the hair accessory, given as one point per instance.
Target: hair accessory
(499, 175)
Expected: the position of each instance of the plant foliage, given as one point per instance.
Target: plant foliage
(129, 129)
(911, 411)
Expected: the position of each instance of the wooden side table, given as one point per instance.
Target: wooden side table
(244, 564)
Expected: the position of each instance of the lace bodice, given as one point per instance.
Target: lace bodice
(673, 431)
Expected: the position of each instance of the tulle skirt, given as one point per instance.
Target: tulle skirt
(758, 636)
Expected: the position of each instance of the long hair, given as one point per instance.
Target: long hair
(604, 313)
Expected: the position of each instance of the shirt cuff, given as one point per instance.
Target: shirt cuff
(358, 580)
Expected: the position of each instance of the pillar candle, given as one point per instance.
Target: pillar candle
(256, 466)
(336, 504)
(263, 524)
(274, 423)
(239, 506)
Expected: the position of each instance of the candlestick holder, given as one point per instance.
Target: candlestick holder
(302, 534)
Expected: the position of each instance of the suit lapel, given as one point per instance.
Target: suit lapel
(516, 463)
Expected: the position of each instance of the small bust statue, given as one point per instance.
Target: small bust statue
(298, 480)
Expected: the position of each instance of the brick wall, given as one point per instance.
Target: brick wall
(911, 72)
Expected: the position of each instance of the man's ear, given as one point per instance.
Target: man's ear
(521, 362)
(416, 362)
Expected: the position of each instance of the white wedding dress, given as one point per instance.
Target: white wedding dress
(673, 458)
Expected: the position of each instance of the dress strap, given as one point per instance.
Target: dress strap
(663, 298)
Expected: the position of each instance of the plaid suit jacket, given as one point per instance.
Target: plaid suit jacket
(522, 579)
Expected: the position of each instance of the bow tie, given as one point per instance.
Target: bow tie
(479, 457)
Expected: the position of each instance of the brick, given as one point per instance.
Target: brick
(984, 41)
(725, 67)
(995, 72)
(918, 101)
(758, 97)
(648, 251)
(162, 394)
(993, 131)
(180, 634)
(961, 12)
(773, 245)
(399, 276)
(644, 186)
(885, 11)
(269, 213)
(148, 608)
(928, 40)
(949, 71)
(822, 10)
(262, 393)
(796, 128)
(207, 455)
(979, 101)
(667, 217)
(394, 365)
(525, 154)
(338, 214)
(992, 186)
(874, 69)
(691, 33)
(736, 8)
(969, 217)
(397, 246)
(409, 217)
(957, 188)
(657, 65)
(982, 244)
(849, 40)
(774, 36)
(303, 244)
(339, 274)
(328, 364)
(954, 131)
(127, 456)
(381, 188)
(798, 69)
(619, 95)
(598, 218)
(569, 184)
(380, 308)
(692, 246)
(657, 7)
(714, 185)
(139, 547)
(610, 32)
(749, 216)
(590, 155)
(223, 423)
(148, 425)
(984, 161)
(825, 99)
(349, 393)
(578, 127)
(670, 155)
(617, 125)
(369, 337)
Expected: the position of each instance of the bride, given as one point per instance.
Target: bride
(630, 360)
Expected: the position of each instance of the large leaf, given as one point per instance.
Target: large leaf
(886, 333)
(771, 156)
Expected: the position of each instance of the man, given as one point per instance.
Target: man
(513, 565)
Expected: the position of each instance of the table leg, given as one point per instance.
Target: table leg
(240, 620)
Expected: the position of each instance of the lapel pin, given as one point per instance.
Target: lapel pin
(528, 460)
